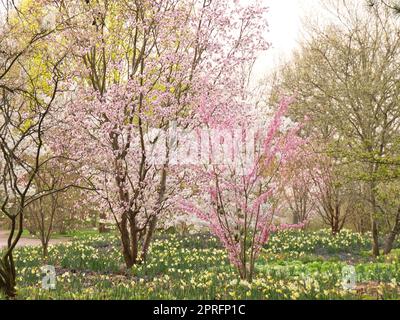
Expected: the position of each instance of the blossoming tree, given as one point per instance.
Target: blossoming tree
(298, 186)
(238, 194)
(143, 66)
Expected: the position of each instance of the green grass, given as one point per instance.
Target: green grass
(70, 234)
(294, 265)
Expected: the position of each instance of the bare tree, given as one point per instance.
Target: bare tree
(42, 215)
(394, 5)
(21, 145)
(27, 94)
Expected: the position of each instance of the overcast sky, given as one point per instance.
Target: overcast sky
(285, 19)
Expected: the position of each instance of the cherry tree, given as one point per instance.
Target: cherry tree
(143, 68)
(237, 189)
(298, 189)
(334, 195)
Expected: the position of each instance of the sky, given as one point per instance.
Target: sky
(285, 20)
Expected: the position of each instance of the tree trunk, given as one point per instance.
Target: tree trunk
(375, 238)
(8, 286)
(154, 219)
(45, 251)
(335, 227)
(296, 218)
(8, 276)
(393, 234)
(336, 221)
(149, 236)
(127, 250)
(374, 223)
(7, 265)
(102, 225)
(134, 234)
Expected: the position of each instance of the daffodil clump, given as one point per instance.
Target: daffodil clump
(300, 243)
(294, 265)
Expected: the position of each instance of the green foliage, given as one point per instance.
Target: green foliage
(297, 243)
(295, 265)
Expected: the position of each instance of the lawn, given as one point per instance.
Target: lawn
(294, 265)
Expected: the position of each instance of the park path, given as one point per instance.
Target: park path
(24, 242)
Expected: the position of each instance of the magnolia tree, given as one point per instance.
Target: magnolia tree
(237, 187)
(142, 69)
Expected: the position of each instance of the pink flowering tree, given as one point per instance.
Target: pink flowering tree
(142, 70)
(298, 187)
(332, 192)
(237, 188)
